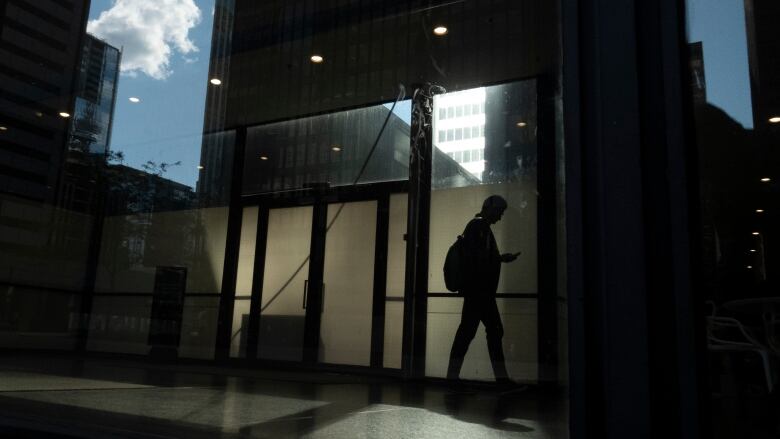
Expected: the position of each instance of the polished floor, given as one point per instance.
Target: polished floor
(60, 397)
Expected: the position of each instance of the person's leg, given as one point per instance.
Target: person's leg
(495, 333)
(469, 322)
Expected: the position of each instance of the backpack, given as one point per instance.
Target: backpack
(455, 265)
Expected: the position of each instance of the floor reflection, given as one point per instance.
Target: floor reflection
(147, 400)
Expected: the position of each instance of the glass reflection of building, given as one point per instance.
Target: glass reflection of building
(301, 133)
(47, 228)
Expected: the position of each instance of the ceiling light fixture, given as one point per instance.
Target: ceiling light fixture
(756, 233)
(39, 114)
(766, 179)
(752, 250)
(759, 210)
(317, 59)
(336, 148)
(134, 100)
(262, 157)
(775, 119)
(440, 30)
(522, 124)
(3, 128)
(64, 114)
(749, 267)
(200, 166)
(216, 81)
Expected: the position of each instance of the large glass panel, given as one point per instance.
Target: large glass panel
(396, 277)
(734, 66)
(120, 324)
(500, 158)
(282, 315)
(199, 327)
(345, 329)
(334, 149)
(38, 318)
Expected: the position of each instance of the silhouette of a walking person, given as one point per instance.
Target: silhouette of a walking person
(479, 291)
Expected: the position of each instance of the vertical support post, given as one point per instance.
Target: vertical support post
(314, 301)
(232, 246)
(416, 283)
(547, 302)
(258, 275)
(380, 281)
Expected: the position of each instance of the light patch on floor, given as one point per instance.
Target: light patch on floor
(203, 406)
(14, 381)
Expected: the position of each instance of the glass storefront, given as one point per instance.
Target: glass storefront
(257, 182)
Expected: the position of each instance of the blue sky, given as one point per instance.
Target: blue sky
(167, 124)
(720, 26)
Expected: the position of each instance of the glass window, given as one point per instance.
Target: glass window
(467, 133)
(467, 110)
(337, 144)
(450, 135)
(458, 133)
(475, 132)
(735, 96)
(459, 111)
(450, 112)
(442, 135)
(442, 113)
(466, 156)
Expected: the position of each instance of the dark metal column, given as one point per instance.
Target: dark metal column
(258, 275)
(416, 283)
(547, 302)
(316, 289)
(380, 281)
(232, 245)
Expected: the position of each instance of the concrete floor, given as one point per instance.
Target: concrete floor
(96, 398)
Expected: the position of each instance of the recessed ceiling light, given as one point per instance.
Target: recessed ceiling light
(756, 233)
(3, 128)
(522, 124)
(317, 59)
(262, 157)
(749, 267)
(64, 114)
(134, 100)
(336, 148)
(39, 114)
(216, 81)
(766, 179)
(759, 210)
(440, 30)
(775, 119)
(752, 250)
(200, 166)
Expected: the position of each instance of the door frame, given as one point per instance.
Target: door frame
(319, 198)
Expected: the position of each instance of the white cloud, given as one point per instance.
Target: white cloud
(149, 31)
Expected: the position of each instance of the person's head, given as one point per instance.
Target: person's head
(493, 208)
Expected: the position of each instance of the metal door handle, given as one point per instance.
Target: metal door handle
(305, 291)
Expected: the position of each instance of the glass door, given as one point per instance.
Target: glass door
(285, 282)
(348, 284)
(325, 281)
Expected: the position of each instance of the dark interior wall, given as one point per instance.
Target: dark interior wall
(370, 46)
